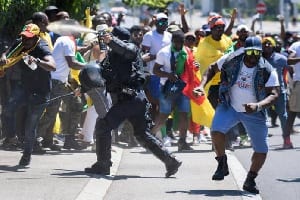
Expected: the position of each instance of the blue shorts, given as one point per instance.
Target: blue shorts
(254, 123)
(182, 103)
(153, 86)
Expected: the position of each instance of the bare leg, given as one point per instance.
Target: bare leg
(160, 120)
(183, 124)
(218, 140)
(258, 160)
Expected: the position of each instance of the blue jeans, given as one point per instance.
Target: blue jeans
(35, 105)
(255, 124)
(280, 108)
(182, 103)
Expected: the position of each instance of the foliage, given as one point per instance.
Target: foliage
(14, 13)
(150, 3)
(272, 8)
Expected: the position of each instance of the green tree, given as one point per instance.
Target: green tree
(14, 13)
(150, 3)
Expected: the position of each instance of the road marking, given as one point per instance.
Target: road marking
(239, 174)
(98, 185)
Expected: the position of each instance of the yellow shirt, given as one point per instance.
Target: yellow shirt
(47, 37)
(209, 51)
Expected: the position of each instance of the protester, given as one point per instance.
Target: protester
(170, 64)
(64, 56)
(279, 62)
(35, 89)
(249, 84)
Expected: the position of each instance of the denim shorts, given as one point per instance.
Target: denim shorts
(255, 124)
(182, 103)
(153, 86)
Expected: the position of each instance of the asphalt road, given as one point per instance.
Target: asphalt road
(280, 176)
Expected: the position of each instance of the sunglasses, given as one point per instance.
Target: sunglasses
(267, 44)
(162, 23)
(253, 52)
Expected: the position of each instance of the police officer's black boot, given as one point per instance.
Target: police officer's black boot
(249, 184)
(222, 169)
(103, 151)
(156, 147)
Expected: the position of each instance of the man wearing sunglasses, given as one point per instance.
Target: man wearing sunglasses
(249, 84)
(279, 62)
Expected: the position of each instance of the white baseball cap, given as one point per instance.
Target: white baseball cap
(241, 27)
(161, 16)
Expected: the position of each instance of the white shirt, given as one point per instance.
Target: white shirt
(64, 46)
(242, 92)
(295, 47)
(163, 57)
(155, 41)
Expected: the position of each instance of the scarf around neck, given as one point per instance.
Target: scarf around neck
(180, 60)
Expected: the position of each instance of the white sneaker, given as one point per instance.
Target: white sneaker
(167, 141)
(202, 138)
(196, 140)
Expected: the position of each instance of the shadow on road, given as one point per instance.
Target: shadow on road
(289, 180)
(8, 168)
(215, 193)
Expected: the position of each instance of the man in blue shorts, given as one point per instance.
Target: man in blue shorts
(249, 84)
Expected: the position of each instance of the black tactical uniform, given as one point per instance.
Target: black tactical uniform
(121, 71)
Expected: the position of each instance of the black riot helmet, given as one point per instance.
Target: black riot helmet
(90, 77)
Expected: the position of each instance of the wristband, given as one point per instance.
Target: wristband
(258, 107)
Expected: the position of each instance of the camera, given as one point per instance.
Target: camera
(102, 29)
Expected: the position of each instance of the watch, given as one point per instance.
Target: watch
(38, 60)
(258, 107)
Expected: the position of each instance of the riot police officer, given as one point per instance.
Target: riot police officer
(121, 70)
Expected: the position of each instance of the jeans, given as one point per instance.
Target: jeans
(72, 117)
(255, 124)
(280, 108)
(35, 105)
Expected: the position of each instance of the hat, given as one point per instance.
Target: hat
(253, 42)
(51, 8)
(30, 30)
(160, 16)
(241, 27)
(121, 33)
(205, 27)
(173, 27)
(269, 39)
(190, 34)
(216, 20)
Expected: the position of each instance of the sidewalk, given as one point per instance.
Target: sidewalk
(59, 175)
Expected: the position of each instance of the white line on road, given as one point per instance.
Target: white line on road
(239, 174)
(97, 187)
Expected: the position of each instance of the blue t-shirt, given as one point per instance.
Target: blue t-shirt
(279, 62)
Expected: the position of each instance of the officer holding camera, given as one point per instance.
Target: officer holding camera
(122, 72)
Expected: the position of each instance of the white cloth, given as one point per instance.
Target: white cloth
(89, 124)
(155, 42)
(64, 46)
(295, 47)
(163, 58)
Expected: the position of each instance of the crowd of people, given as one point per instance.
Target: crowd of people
(141, 82)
